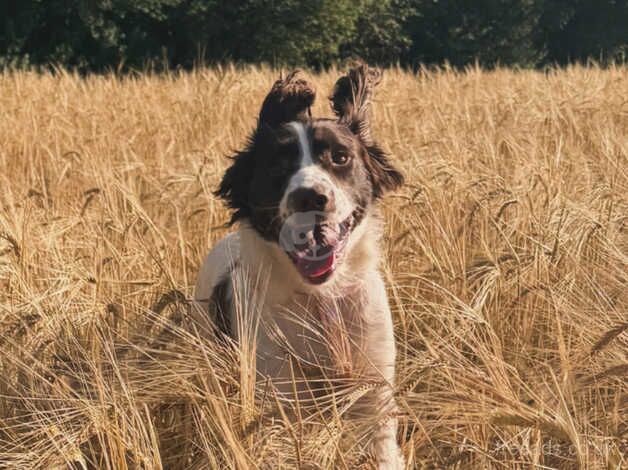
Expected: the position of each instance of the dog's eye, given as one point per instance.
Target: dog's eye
(340, 158)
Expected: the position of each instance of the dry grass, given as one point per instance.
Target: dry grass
(506, 263)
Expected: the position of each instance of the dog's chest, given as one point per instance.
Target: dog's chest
(323, 336)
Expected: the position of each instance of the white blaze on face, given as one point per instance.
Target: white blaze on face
(305, 149)
(310, 174)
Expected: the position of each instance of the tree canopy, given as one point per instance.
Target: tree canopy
(104, 34)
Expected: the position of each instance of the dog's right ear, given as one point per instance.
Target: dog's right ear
(351, 99)
(351, 102)
(289, 99)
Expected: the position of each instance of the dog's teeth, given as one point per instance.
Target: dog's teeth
(344, 227)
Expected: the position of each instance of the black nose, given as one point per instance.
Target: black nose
(310, 199)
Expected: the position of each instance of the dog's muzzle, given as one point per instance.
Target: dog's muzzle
(314, 243)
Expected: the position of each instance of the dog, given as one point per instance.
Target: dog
(300, 275)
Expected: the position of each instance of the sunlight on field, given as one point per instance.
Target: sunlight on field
(506, 264)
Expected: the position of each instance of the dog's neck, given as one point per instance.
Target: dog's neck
(265, 260)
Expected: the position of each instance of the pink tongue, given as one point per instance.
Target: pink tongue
(316, 268)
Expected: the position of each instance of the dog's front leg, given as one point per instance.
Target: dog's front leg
(385, 448)
(381, 351)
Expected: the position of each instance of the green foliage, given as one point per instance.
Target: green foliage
(465, 31)
(288, 31)
(379, 37)
(100, 34)
(571, 30)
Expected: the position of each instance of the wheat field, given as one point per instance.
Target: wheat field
(506, 257)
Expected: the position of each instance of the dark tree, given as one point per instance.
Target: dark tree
(95, 35)
(464, 31)
(576, 30)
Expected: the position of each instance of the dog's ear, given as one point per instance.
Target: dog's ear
(384, 176)
(289, 99)
(235, 185)
(351, 99)
(351, 102)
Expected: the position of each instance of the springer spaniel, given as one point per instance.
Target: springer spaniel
(299, 279)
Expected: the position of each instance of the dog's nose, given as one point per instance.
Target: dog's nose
(313, 198)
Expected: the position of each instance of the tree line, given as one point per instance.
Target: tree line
(96, 35)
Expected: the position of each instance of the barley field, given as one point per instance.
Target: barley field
(506, 262)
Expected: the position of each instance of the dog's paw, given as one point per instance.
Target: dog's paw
(393, 460)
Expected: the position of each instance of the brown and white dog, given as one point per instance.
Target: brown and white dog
(300, 276)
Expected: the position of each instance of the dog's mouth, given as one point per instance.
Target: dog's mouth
(318, 249)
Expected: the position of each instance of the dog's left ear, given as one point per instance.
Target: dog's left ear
(351, 102)
(290, 99)
(235, 184)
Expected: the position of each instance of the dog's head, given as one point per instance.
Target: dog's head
(305, 184)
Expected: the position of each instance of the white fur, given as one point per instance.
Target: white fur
(305, 149)
(218, 264)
